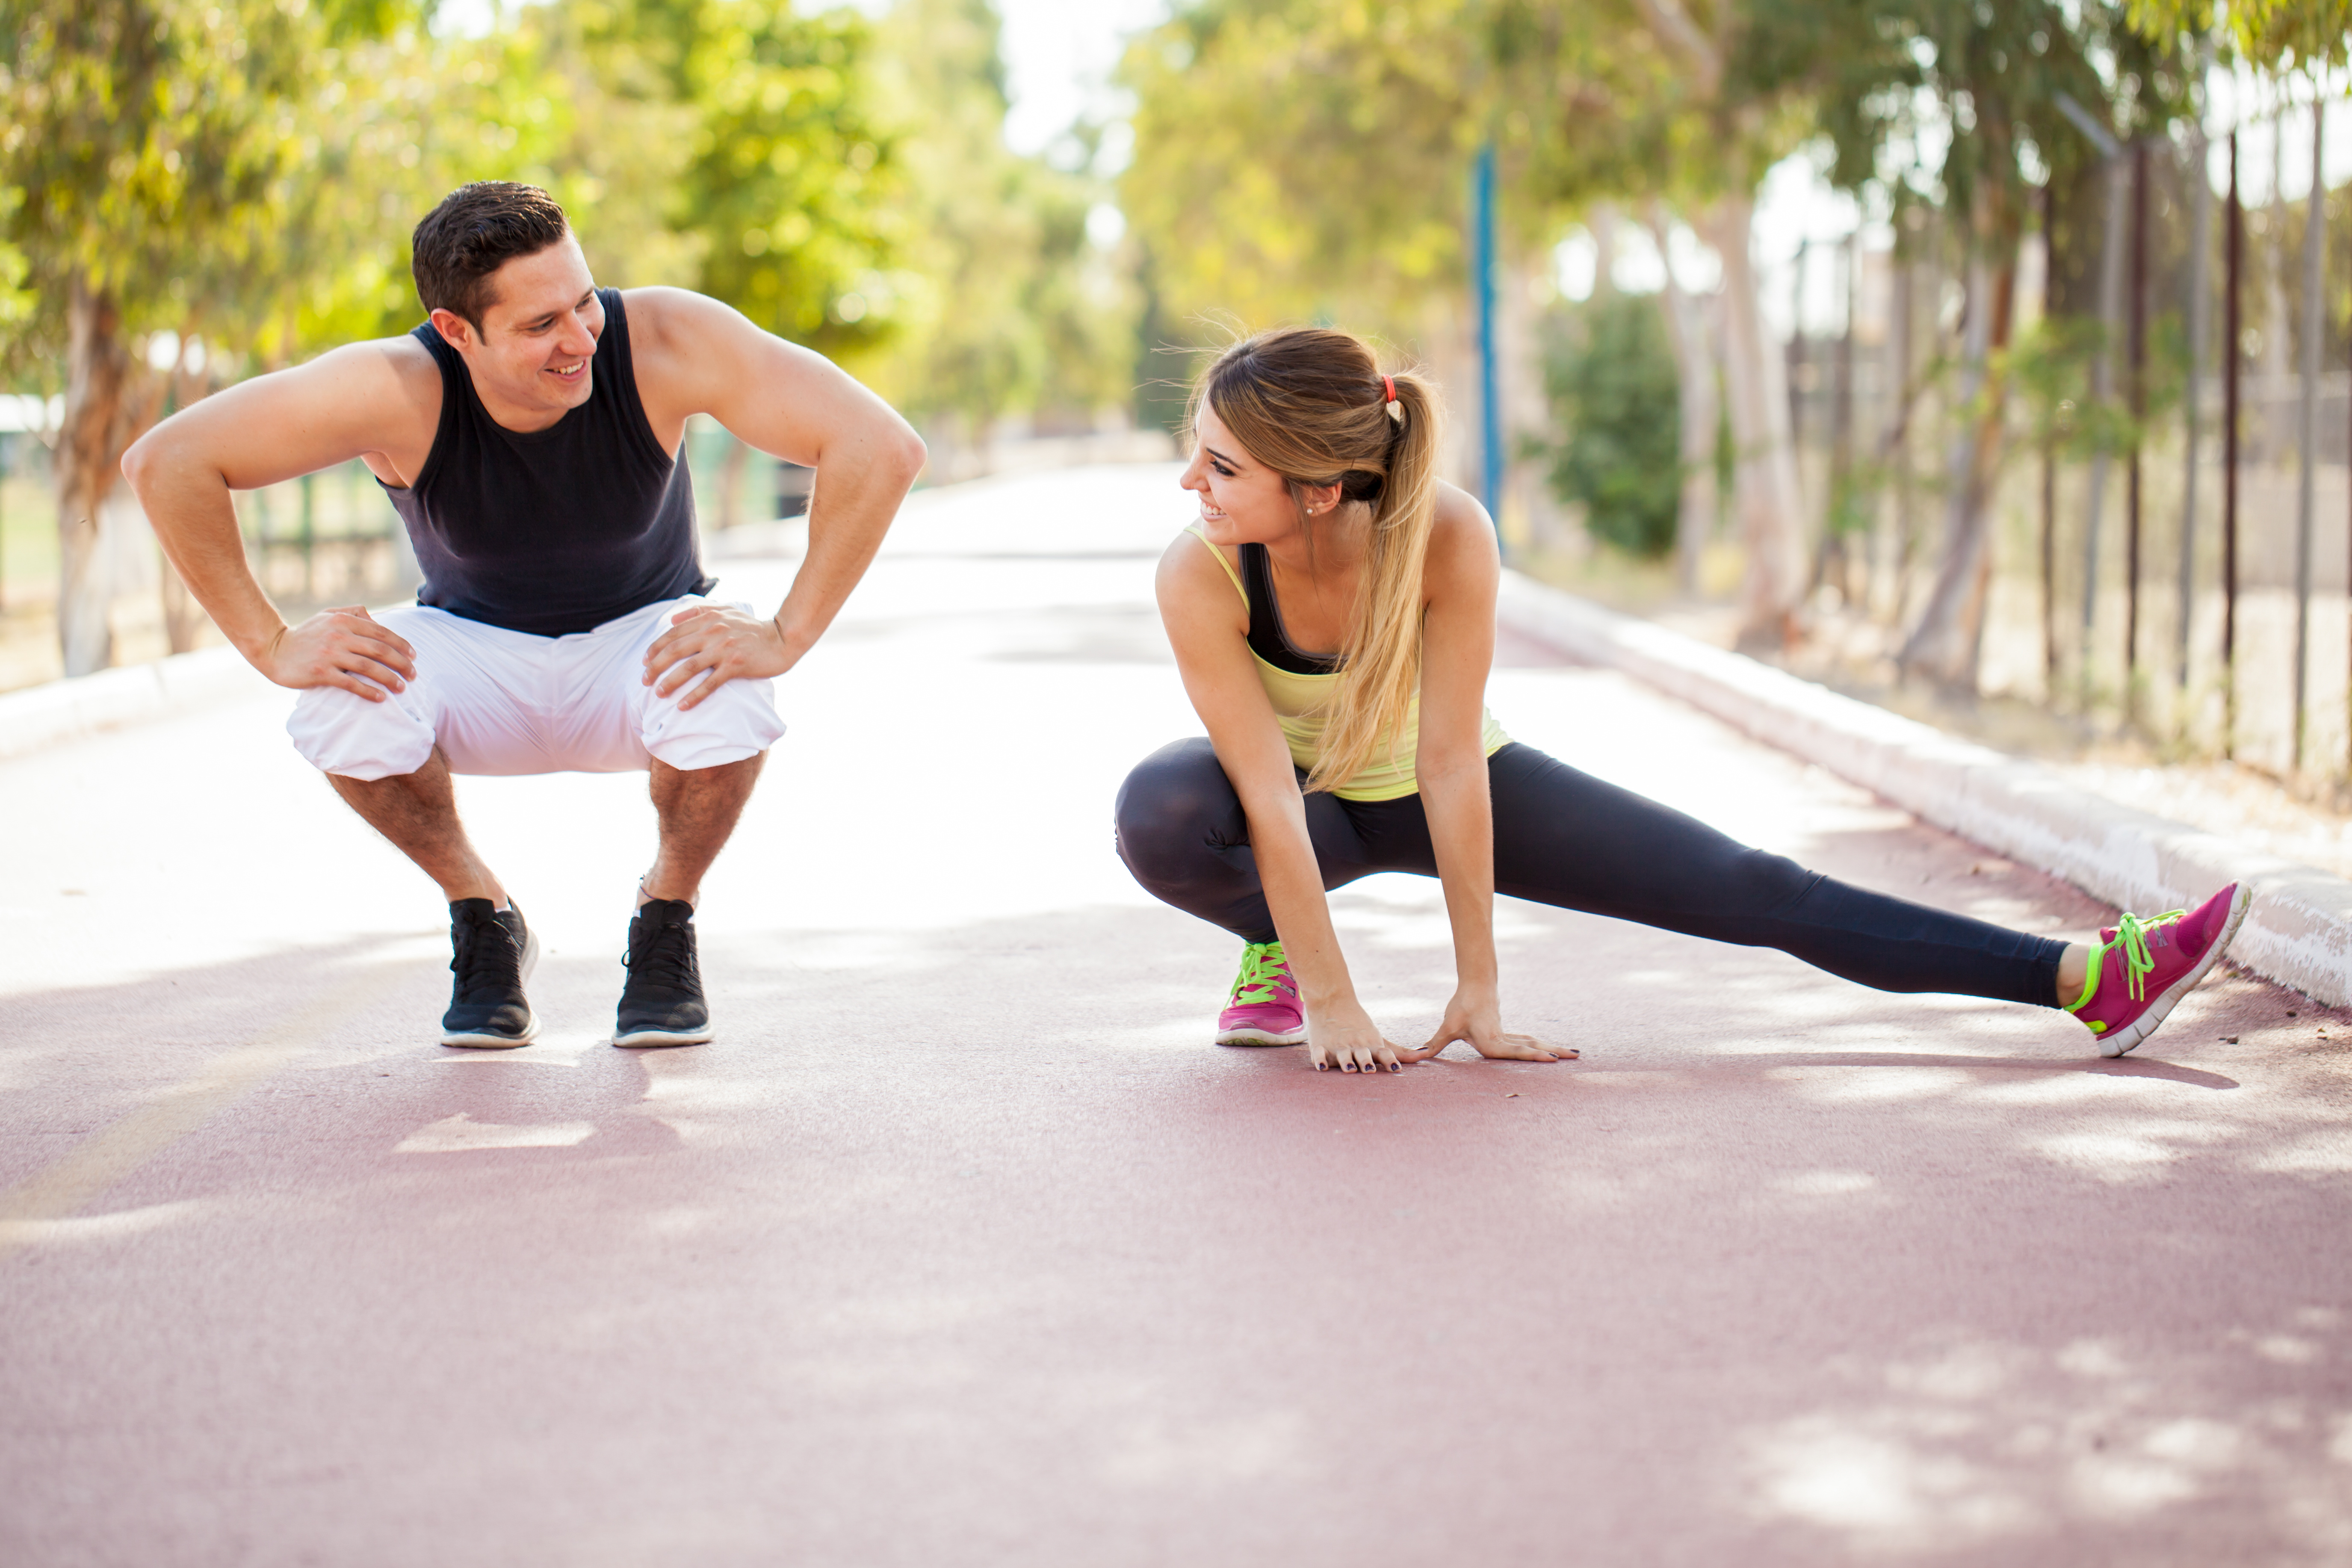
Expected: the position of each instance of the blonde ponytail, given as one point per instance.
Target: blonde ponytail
(1312, 404)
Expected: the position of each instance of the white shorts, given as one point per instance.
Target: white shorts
(500, 702)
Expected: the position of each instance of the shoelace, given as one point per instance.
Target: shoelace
(1266, 973)
(486, 955)
(2131, 935)
(664, 959)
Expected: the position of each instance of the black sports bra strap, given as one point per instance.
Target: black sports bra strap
(1267, 638)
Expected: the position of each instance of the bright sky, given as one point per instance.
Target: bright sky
(1059, 55)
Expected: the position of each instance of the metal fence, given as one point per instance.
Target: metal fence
(2127, 590)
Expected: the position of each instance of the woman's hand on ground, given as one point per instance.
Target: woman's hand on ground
(1348, 1039)
(726, 644)
(344, 648)
(1478, 1019)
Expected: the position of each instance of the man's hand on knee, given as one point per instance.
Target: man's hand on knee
(718, 644)
(344, 648)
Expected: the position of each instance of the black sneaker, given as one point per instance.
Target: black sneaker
(495, 953)
(662, 1004)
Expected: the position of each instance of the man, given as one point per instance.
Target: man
(531, 436)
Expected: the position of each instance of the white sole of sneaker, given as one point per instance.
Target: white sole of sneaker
(643, 1037)
(495, 1042)
(530, 1024)
(1260, 1038)
(2146, 1024)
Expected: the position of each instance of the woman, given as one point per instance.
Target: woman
(1333, 618)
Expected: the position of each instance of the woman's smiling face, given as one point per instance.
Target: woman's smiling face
(1243, 502)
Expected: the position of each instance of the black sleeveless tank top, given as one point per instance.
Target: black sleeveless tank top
(556, 531)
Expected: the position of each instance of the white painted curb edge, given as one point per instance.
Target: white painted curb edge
(60, 711)
(2299, 931)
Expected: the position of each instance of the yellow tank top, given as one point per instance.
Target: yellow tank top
(1388, 774)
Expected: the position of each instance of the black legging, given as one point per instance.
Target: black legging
(1567, 839)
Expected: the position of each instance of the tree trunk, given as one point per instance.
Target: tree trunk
(1693, 336)
(1949, 638)
(98, 369)
(1764, 485)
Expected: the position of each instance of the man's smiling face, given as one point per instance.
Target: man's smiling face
(533, 359)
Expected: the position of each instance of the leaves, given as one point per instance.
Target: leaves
(1611, 377)
(152, 146)
(1003, 301)
(2274, 36)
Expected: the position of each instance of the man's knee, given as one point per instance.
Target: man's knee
(1175, 806)
(340, 732)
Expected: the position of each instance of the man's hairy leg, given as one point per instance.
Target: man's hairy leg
(418, 812)
(698, 808)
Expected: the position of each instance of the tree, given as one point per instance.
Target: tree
(1612, 384)
(2273, 35)
(1305, 158)
(1003, 301)
(150, 151)
(1956, 104)
(782, 186)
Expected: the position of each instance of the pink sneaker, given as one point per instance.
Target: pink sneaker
(2139, 968)
(1263, 1007)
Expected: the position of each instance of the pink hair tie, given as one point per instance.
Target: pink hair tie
(1387, 389)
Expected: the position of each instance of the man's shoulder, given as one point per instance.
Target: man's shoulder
(384, 394)
(686, 349)
(662, 319)
(379, 360)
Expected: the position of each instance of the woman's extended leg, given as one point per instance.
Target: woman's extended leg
(1565, 838)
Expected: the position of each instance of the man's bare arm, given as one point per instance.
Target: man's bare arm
(696, 356)
(362, 401)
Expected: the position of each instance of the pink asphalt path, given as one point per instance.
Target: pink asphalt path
(961, 1246)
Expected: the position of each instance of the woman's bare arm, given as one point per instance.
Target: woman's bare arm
(1459, 585)
(1208, 627)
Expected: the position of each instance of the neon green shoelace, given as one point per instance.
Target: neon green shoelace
(1263, 966)
(2131, 935)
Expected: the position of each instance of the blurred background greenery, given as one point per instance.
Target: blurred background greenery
(1847, 419)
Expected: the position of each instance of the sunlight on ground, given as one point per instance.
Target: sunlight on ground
(1983, 1441)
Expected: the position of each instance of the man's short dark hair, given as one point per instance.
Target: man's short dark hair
(476, 230)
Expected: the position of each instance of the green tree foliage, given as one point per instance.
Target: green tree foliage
(1304, 159)
(152, 146)
(151, 155)
(1610, 375)
(782, 184)
(1004, 302)
(2273, 35)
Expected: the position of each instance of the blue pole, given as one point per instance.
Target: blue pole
(1490, 381)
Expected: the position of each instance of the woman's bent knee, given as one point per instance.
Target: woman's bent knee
(1175, 805)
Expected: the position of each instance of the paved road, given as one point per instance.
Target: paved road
(962, 1247)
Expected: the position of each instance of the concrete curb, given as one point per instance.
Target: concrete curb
(2299, 931)
(62, 711)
